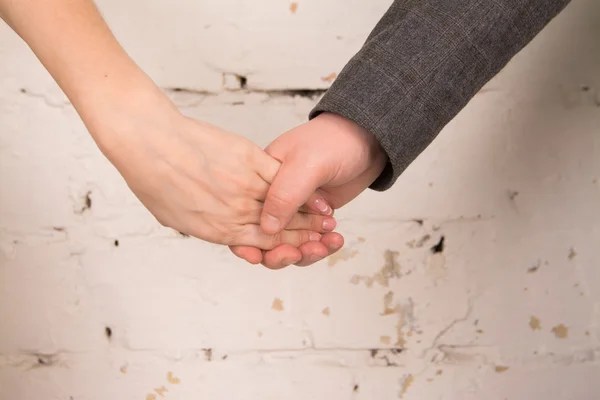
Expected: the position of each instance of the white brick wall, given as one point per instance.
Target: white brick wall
(510, 309)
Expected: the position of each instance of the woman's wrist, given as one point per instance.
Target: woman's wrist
(122, 107)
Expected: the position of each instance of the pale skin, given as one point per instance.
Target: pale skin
(192, 176)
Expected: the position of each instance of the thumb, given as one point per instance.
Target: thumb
(293, 186)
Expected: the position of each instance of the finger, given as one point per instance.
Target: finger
(291, 188)
(250, 254)
(253, 235)
(313, 252)
(305, 255)
(281, 256)
(316, 204)
(266, 166)
(311, 222)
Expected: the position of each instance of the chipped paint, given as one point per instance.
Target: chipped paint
(561, 331)
(390, 270)
(326, 311)
(406, 383)
(329, 78)
(161, 391)
(344, 254)
(277, 304)
(388, 309)
(535, 324)
(172, 379)
(501, 368)
(294, 7)
(419, 243)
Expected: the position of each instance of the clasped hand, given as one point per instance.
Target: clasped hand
(273, 207)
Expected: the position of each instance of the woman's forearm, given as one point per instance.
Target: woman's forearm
(75, 45)
(193, 177)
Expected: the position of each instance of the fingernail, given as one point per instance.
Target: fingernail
(271, 223)
(313, 258)
(314, 236)
(322, 206)
(334, 246)
(329, 224)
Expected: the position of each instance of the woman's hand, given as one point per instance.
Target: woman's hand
(193, 177)
(203, 181)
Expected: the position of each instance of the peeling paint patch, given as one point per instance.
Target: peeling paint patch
(343, 255)
(388, 309)
(391, 269)
(534, 323)
(400, 340)
(561, 331)
(385, 340)
(161, 391)
(501, 368)
(294, 7)
(277, 304)
(406, 382)
(151, 397)
(356, 279)
(329, 78)
(172, 379)
(326, 311)
(572, 253)
(418, 243)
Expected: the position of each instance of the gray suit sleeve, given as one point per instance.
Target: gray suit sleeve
(423, 63)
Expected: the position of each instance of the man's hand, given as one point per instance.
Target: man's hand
(329, 154)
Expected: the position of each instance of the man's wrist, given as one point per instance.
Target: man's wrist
(374, 149)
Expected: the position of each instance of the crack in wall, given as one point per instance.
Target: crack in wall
(46, 99)
(435, 343)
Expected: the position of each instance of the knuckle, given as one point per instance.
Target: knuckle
(275, 240)
(243, 207)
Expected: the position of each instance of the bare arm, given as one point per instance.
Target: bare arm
(75, 45)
